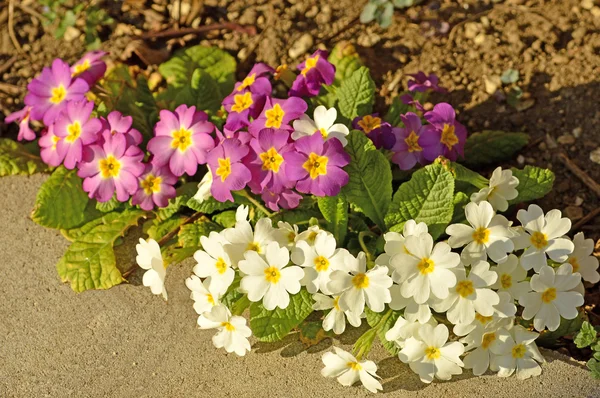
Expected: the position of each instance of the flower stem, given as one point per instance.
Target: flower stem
(363, 245)
(256, 203)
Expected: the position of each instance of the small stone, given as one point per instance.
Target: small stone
(521, 159)
(566, 139)
(71, 34)
(312, 12)
(551, 142)
(525, 104)
(491, 84)
(301, 46)
(578, 201)
(574, 212)
(576, 132)
(543, 146)
(324, 17)
(479, 39)
(560, 59)
(587, 4)
(595, 12)
(368, 39)
(248, 17)
(595, 156)
(472, 30)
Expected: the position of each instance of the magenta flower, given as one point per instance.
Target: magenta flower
(182, 140)
(267, 164)
(48, 148)
(287, 199)
(314, 72)
(408, 150)
(76, 129)
(228, 171)
(243, 136)
(408, 99)
(422, 83)
(111, 167)
(155, 188)
(277, 114)
(22, 116)
(116, 123)
(90, 67)
(316, 165)
(49, 93)
(256, 82)
(240, 107)
(376, 129)
(448, 136)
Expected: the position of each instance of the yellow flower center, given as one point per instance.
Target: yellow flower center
(412, 142)
(58, 94)
(481, 235)
(321, 264)
(247, 82)
(354, 366)
(224, 169)
(324, 133)
(316, 165)
(109, 167)
(369, 123)
(312, 236)
(221, 265)
(272, 160)
(360, 281)
(272, 274)
(291, 237)
(488, 339)
(241, 102)
(82, 67)
(518, 351)
(574, 263)
(426, 266)
(55, 140)
(432, 353)
(254, 246)
(336, 303)
(549, 295)
(228, 326)
(182, 139)
(483, 319)
(465, 288)
(210, 299)
(74, 131)
(449, 137)
(506, 281)
(309, 64)
(274, 117)
(539, 240)
(151, 184)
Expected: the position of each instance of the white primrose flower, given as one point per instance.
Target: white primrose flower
(213, 261)
(241, 213)
(323, 124)
(430, 354)
(501, 189)
(487, 236)
(511, 278)
(204, 187)
(542, 236)
(242, 238)
(150, 259)
(205, 294)
(349, 370)
(232, 330)
(426, 270)
(485, 345)
(551, 297)
(360, 286)
(471, 293)
(310, 234)
(286, 234)
(404, 329)
(504, 313)
(506, 308)
(582, 259)
(413, 312)
(270, 279)
(394, 241)
(336, 318)
(517, 351)
(319, 261)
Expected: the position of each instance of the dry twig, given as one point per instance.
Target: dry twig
(170, 33)
(11, 28)
(582, 175)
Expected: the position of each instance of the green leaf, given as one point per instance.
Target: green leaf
(159, 228)
(211, 205)
(374, 319)
(397, 108)
(335, 211)
(594, 366)
(460, 201)
(510, 76)
(232, 295)
(16, 160)
(107, 207)
(427, 197)
(189, 234)
(270, 326)
(203, 92)
(89, 262)
(463, 174)
(67, 21)
(226, 218)
(217, 63)
(61, 201)
(567, 327)
(356, 94)
(534, 183)
(370, 184)
(492, 147)
(346, 61)
(586, 336)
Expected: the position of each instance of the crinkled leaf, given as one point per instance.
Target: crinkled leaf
(463, 174)
(427, 197)
(61, 201)
(586, 335)
(159, 228)
(312, 333)
(226, 218)
(270, 326)
(356, 94)
(232, 295)
(16, 160)
(89, 263)
(491, 147)
(534, 183)
(460, 201)
(335, 211)
(189, 234)
(370, 184)
(510, 76)
(211, 205)
(594, 366)
(346, 61)
(203, 92)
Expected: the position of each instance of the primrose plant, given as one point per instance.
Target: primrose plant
(303, 210)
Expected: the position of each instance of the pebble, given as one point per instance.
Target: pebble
(71, 34)
(324, 17)
(578, 201)
(368, 39)
(491, 84)
(595, 156)
(301, 46)
(248, 17)
(576, 132)
(574, 212)
(563, 186)
(472, 30)
(521, 159)
(587, 4)
(566, 139)
(312, 12)
(551, 142)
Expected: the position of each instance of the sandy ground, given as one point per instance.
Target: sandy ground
(125, 342)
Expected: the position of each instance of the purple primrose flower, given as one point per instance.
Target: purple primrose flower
(228, 171)
(25, 131)
(155, 188)
(314, 72)
(448, 136)
(90, 67)
(278, 113)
